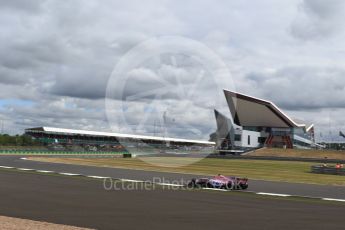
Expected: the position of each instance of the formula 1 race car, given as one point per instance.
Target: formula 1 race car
(220, 182)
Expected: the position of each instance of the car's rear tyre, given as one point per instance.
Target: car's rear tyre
(192, 183)
(229, 186)
(244, 186)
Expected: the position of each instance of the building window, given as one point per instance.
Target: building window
(261, 140)
(237, 137)
(248, 139)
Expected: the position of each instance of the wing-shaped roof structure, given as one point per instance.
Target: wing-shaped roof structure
(251, 111)
(116, 135)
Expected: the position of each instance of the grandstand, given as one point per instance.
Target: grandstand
(58, 139)
(257, 123)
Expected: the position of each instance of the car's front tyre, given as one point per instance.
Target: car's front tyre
(209, 185)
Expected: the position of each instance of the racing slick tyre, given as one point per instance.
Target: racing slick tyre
(209, 185)
(229, 186)
(192, 183)
(244, 186)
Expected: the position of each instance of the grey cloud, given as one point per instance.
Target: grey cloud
(323, 9)
(68, 113)
(86, 83)
(11, 77)
(319, 19)
(302, 88)
(24, 5)
(54, 51)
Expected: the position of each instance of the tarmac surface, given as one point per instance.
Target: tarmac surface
(297, 189)
(83, 202)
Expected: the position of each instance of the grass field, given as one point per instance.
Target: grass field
(313, 153)
(287, 171)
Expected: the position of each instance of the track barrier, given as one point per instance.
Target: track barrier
(320, 169)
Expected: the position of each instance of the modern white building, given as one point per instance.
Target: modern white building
(256, 123)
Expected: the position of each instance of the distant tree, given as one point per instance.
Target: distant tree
(17, 140)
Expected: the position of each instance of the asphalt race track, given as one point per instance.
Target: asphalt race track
(84, 202)
(336, 192)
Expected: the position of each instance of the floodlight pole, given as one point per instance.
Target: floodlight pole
(154, 127)
(165, 123)
(165, 127)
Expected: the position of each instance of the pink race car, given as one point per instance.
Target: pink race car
(220, 182)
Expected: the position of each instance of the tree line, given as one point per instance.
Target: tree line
(17, 140)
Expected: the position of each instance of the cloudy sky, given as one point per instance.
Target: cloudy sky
(57, 60)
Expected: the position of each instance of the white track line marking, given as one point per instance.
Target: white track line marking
(44, 171)
(332, 199)
(135, 181)
(174, 185)
(23, 158)
(6, 167)
(70, 174)
(273, 194)
(24, 169)
(216, 189)
(98, 177)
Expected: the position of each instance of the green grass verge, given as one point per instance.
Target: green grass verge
(299, 153)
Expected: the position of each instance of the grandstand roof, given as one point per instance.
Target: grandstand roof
(251, 111)
(108, 134)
